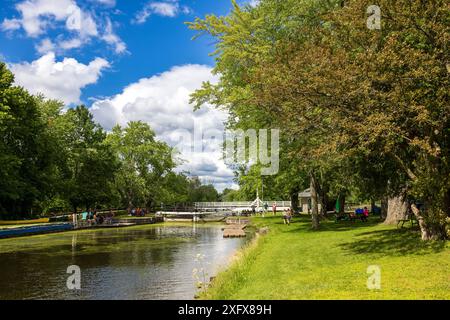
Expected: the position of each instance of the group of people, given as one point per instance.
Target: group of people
(93, 217)
(361, 214)
(265, 208)
(138, 212)
(287, 213)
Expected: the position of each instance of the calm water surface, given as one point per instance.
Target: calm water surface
(148, 262)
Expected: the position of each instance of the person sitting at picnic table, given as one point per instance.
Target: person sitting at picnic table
(109, 217)
(365, 214)
(359, 212)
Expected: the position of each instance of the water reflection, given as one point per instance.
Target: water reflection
(132, 263)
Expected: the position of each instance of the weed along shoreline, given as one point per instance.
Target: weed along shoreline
(293, 262)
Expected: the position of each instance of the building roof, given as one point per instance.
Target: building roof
(305, 194)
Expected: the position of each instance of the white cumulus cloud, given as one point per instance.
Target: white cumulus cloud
(40, 16)
(168, 8)
(162, 101)
(45, 46)
(111, 38)
(61, 80)
(109, 3)
(11, 24)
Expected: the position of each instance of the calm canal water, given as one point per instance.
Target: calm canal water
(148, 262)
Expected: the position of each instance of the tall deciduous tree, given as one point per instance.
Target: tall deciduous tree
(90, 161)
(25, 149)
(144, 163)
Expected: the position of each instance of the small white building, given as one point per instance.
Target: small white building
(304, 201)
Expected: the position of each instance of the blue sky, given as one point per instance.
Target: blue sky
(152, 47)
(127, 60)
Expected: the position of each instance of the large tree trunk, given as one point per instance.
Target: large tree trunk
(384, 207)
(397, 209)
(129, 201)
(294, 201)
(447, 203)
(314, 202)
(428, 231)
(323, 200)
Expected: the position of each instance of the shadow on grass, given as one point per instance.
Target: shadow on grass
(348, 225)
(304, 223)
(393, 242)
(366, 238)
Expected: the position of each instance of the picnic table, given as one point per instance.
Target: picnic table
(409, 217)
(346, 216)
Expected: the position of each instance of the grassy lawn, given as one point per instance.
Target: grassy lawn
(293, 262)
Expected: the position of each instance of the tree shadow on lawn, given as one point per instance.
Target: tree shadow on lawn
(348, 225)
(392, 242)
(304, 223)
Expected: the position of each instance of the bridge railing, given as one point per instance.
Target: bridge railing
(281, 203)
(237, 204)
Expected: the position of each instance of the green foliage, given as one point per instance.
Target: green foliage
(53, 160)
(230, 195)
(360, 110)
(144, 164)
(90, 165)
(25, 149)
(201, 193)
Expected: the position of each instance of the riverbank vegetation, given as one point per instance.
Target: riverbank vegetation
(363, 110)
(58, 160)
(295, 262)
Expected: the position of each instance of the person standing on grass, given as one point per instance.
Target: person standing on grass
(287, 216)
(274, 208)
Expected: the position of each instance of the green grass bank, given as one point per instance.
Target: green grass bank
(294, 262)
